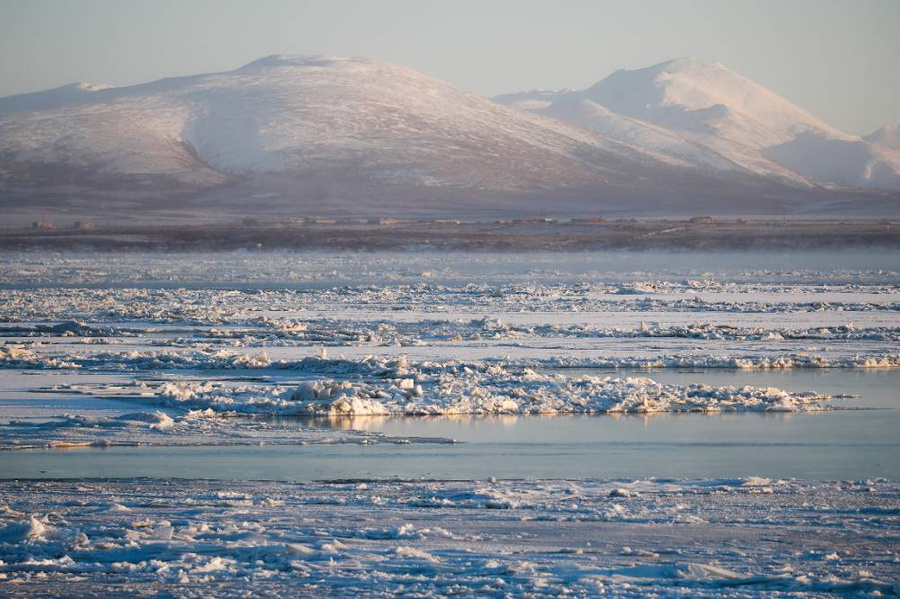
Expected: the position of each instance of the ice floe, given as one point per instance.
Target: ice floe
(374, 386)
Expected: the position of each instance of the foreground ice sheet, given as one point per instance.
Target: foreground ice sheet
(733, 538)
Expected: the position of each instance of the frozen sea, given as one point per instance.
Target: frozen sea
(390, 399)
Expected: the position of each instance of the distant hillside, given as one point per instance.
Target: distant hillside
(301, 135)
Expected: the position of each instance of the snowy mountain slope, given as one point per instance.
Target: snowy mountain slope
(666, 145)
(51, 98)
(342, 135)
(705, 97)
(888, 137)
(730, 115)
(852, 162)
(102, 141)
(352, 121)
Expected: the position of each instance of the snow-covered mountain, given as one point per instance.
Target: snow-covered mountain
(339, 135)
(339, 123)
(729, 115)
(888, 137)
(574, 108)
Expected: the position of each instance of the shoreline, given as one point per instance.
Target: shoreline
(513, 236)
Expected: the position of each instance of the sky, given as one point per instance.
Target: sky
(837, 59)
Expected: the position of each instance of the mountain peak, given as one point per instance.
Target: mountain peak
(678, 106)
(299, 60)
(684, 64)
(690, 93)
(688, 63)
(888, 136)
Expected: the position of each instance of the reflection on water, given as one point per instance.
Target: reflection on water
(813, 428)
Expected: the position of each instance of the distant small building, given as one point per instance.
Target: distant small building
(42, 224)
(587, 221)
(385, 221)
(83, 225)
(703, 220)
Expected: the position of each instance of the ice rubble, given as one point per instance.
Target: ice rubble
(286, 332)
(99, 307)
(397, 387)
(430, 538)
(743, 362)
(17, 356)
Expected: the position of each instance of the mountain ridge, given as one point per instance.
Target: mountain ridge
(733, 117)
(288, 132)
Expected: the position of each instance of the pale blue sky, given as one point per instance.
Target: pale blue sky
(839, 59)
